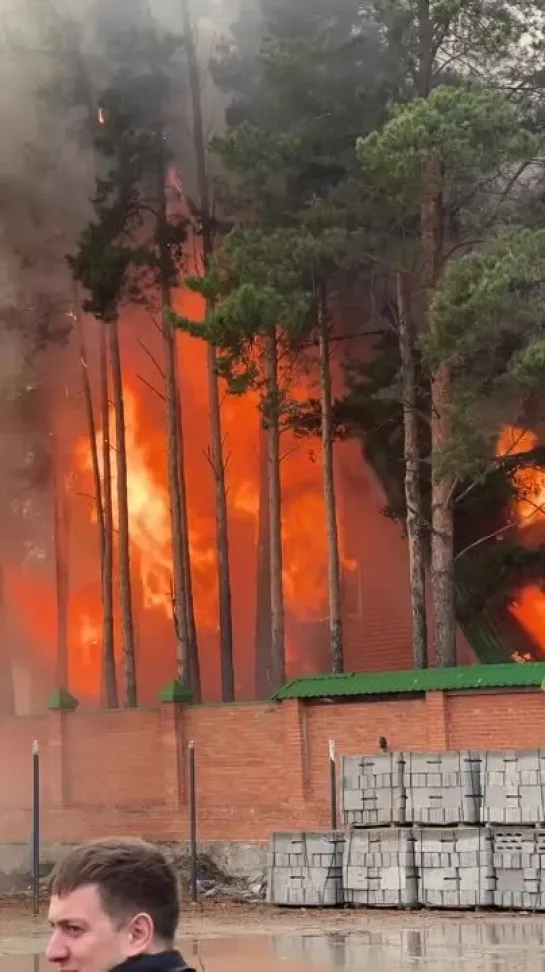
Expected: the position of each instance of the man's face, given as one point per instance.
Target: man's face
(84, 938)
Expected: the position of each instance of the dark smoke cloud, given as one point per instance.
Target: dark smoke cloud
(46, 176)
(52, 57)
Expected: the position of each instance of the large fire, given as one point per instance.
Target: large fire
(149, 519)
(528, 513)
(304, 536)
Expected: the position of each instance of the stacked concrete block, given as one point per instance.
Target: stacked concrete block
(305, 870)
(454, 867)
(513, 787)
(379, 869)
(373, 791)
(442, 788)
(519, 865)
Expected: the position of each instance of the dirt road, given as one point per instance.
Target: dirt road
(21, 933)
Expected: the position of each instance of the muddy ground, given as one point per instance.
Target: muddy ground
(21, 933)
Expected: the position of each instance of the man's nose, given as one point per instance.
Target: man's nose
(56, 949)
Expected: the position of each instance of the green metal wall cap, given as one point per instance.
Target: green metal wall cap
(174, 691)
(530, 674)
(63, 701)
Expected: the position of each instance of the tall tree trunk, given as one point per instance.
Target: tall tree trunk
(124, 555)
(184, 620)
(222, 531)
(426, 48)
(108, 654)
(91, 431)
(432, 233)
(333, 559)
(275, 513)
(442, 545)
(431, 218)
(216, 438)
(193, 654)
(442, 549)
(179, 605)
(413, 493)
(60, 543)
(263, 628)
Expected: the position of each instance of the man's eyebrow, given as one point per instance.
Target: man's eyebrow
(67, 921)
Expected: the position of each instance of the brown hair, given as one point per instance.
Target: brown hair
(131, 876)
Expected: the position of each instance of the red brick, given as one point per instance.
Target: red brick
(260, 767)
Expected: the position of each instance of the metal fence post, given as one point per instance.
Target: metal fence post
(36, 827)
(192, 823)
(333, 785)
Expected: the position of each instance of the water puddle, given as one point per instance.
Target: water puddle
(507, 945)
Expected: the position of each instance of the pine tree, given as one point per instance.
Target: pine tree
(249, 287)
(428, 152)
(131, 252)
(303, 76)
(205, 229)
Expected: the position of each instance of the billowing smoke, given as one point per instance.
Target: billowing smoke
(51, 67)
(45, 178)
(54, 66)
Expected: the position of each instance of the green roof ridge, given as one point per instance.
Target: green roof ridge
(175, 691)
(530, 674)
(62, 700)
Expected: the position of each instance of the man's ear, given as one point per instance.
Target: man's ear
(141, 933)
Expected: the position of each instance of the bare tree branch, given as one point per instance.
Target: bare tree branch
(151, 388)
(152, 358)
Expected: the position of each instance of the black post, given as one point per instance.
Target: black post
(36, 827)
(333, 785)
(192, 822)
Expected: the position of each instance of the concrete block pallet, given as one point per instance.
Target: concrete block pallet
(440, 830)
(513, 787)
(442, 788)
(379, 868)
(373, 790)
(305, 870)
(411, 788)
(519, 867)
(454, 866)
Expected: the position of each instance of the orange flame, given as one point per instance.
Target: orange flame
(304, 535)
(149, 520)
(529, 508)
(303, 516)
(528, 512)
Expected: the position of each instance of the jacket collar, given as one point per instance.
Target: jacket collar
(168, 961)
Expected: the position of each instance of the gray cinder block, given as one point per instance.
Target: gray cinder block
(373, 790)
(519, 868)
(513, 787)
(378, 869)
(443, 788)
(454, 867)
(305, 870)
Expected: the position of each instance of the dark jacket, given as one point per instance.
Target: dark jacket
(170, 961)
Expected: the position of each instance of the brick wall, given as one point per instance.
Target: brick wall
(260, 767)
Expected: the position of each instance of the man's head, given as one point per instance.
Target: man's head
(111, 900)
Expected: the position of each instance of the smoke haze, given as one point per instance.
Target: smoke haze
(47, 176)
